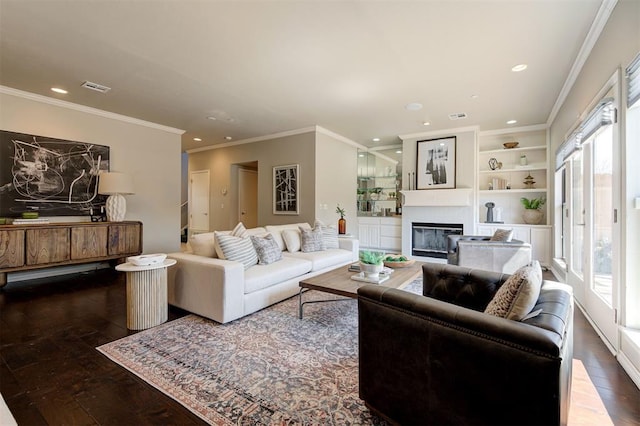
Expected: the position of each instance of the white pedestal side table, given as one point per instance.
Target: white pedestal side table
(147, 304)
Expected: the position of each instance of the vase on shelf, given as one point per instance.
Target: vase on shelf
(532, 216)
(342, 226)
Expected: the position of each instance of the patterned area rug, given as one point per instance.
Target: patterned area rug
(267, 368)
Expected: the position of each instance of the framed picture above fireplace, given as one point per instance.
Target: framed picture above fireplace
(436, 163)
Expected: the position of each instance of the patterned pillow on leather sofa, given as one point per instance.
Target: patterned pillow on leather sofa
(518, 295)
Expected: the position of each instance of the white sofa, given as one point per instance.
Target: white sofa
(223, 290)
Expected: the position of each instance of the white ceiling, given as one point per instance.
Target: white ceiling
(263, 67)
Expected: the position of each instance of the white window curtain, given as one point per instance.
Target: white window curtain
(633, 82)
(603, 114)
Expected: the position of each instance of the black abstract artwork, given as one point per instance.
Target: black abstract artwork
(51, 176)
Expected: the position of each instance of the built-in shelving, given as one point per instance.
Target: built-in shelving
(512, 167)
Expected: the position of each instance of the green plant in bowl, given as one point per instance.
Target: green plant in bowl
(534, 203)
(371, 257)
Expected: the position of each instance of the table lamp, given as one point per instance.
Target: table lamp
(115, 184)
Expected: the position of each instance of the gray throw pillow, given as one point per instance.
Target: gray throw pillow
(267, 249)
(311, 240)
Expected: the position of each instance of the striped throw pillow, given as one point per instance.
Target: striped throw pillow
(237, 249)
(238, 231)
(329, 235)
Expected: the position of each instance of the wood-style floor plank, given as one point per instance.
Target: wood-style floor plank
(50, 372)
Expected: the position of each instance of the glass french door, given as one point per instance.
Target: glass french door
(593, 263)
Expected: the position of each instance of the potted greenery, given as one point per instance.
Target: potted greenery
(533, 213)
(371, 263)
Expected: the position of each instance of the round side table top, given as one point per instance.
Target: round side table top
(130, 267)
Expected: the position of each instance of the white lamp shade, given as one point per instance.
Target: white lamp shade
(111, 183)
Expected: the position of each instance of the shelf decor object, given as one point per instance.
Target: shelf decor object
(529, 182)
(115, 185)
(510, 145)
(436, 163)
(342, 222)
(532, 210)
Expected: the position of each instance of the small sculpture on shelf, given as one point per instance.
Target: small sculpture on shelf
(493, 163)
(529, 182)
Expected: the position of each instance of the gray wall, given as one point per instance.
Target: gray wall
(150, 155)
(295, 149)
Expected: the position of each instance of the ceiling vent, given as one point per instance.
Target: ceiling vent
(457, 116)
(95, 86)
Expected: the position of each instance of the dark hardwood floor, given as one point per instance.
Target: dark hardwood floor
(50, 372)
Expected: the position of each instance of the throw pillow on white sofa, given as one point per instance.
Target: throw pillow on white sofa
(237, 249)
(292, 239)
(266, 248)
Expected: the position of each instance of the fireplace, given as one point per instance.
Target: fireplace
(430, 239)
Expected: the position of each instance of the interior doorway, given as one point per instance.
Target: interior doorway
(248, 194)
(199, 201)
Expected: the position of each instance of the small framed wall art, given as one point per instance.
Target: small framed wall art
(286, 189)
(436, 163)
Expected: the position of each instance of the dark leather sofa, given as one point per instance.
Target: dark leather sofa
(438, 359)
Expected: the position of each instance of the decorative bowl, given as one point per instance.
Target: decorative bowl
(392, 262)
(509, 145)
(147, 259)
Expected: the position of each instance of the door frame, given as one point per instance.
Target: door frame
(190, 200)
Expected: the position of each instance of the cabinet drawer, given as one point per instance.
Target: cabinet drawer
(390, 231)
(125, 239)
(11, 248)
(88, 242)
(391, 243)
(48, 245)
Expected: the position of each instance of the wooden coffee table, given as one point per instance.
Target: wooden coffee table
(339, 282)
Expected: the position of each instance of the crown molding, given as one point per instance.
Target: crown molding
(253, 140)
(89, 110)
(532, 128)
(439, 132)
(341, 138)
(314, 129)
(601, 19)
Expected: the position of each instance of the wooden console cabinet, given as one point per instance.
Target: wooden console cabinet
(24, 247)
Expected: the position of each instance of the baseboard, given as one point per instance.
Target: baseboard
(629, 355)
(13, 277)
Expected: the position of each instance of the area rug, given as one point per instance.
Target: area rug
(267, 368)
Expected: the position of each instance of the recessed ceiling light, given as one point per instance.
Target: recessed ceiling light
(360, 155)
(413, 106)
(197, 139)
(475, 96)
(399, 151)
(228, 138)
(211, 117)
(519, 67)
(59, 90)
(512, 121)
(376, 139)
(426, 123)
